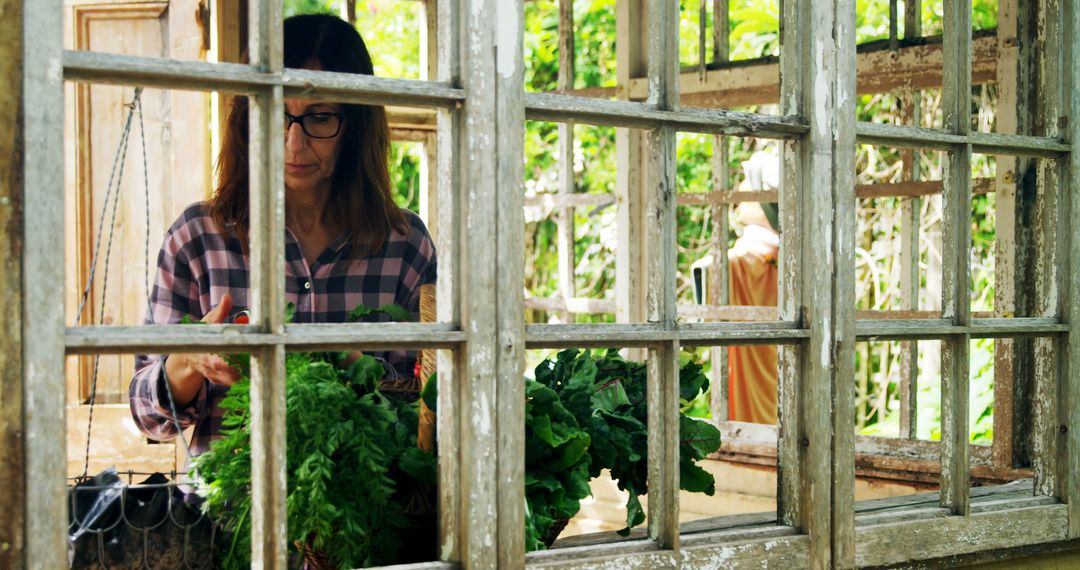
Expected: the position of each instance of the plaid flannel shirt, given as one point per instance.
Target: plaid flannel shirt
(198, 264)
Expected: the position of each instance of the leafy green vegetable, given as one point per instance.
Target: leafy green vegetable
(396, 313)
(606, 396)
(351, 460)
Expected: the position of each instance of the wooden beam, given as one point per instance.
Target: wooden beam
(269, 527)
(755, 83)
(956, 273)
(42, 374)
(509, 219)
(630, 255)
(662, 269)
(818, 196)
(1070, 395)
(12, 421)
(448, 221)
(565, 243)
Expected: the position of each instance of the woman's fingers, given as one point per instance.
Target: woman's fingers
(218, 371)
(218, 314)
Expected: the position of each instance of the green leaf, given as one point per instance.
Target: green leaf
(430, 394)
(421, 465)
(610, 396)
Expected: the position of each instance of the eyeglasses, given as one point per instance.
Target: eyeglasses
(317, 125)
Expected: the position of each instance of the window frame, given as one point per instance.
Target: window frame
(481, 112)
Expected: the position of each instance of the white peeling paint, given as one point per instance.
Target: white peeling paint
(447, 547)
(826, 342)
(507, 29)
(55, 71)
(483, 418)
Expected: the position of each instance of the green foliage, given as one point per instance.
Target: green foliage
(341, 430)
(605, 394)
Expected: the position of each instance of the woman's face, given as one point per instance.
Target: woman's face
(310, 161)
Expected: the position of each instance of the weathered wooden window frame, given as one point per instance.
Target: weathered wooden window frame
(482, 109)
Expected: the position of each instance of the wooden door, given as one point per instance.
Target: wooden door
(147, 194)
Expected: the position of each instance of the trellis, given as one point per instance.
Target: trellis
(481, 111)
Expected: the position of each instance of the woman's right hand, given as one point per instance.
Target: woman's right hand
(187, 371)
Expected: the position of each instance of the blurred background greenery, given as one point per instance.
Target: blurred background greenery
(392, 31)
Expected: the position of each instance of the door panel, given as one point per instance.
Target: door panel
(147, 194)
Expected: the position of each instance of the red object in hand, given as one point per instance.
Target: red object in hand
(241, 319)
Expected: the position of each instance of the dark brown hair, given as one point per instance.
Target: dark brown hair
(360, 197)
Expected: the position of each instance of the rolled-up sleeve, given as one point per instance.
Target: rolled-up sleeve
(175, 295)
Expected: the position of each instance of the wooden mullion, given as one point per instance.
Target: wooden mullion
(718, 286)
(510, 310)
(12, 221)
(842, 205)
(663, 359)
(719, 282)
(721, 30)
(909, 272)
(1005, 235)
(956, 271)
(820, 38)
(1070, 396)
(630, 183)
(448, 222)
(791, 507)
(893, 25)
(267, 212)
(45, 510)
(912, 19)
(1050, 217)
(565, 242)
(477, 391)
(703, 7)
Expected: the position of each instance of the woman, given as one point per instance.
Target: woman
(346, 243)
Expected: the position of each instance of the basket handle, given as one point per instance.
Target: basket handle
(425, 438)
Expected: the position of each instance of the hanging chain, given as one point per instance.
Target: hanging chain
(117, 173)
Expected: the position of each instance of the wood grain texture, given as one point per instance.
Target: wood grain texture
(451, 365)
(267, 213)
(248, 79)
(509, 406)
(1070, 397)
(12, 384)
(956, 272)
(879, 545)
(878, 70)
(629, 114)
(1005, 232)
(42, 344)
(663, 359)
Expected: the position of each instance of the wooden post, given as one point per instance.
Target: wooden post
(565, 249)
(663, 360)
(509, 215)
(42, 342)
(818, 198)
(956, 271)
(911, 113)
(267, 210)
(1028, 103)
(630, 255)
(1050, 243)
(1070, 396)
(1005, 250)
(483, 508)
(12, 421)
(719, 279)
(429, 171)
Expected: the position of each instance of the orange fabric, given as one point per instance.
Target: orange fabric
(753, 370)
